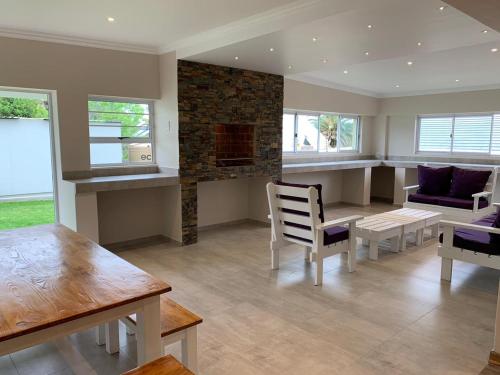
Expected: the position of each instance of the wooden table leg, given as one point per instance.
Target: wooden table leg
(373, 252)
(189, 347)
(419, 237)
(435, 230)
(100, 335)
(112, 337)
(402, 244)
(395, 244)
(148, 333)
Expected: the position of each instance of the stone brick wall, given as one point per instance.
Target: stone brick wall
(209, 95)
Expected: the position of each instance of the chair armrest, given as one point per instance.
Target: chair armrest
(338, 222)
(412, 187)
(496, 204)
(479, 228)
(482, 194)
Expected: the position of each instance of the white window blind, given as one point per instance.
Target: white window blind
(460, 134)
(495, 136)
(435, 134)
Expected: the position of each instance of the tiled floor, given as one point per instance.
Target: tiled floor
(392, 316)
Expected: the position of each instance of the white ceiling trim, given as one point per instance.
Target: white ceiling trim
(84, 42)
(299, 11)
(442, 91)
(331, 85)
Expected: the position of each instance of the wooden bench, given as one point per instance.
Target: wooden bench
(167, 365)
(177, 324)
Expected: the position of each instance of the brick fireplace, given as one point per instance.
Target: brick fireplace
(230, 126)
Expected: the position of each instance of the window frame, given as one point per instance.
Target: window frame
(453, 116)
(297, 113)
(117, 140)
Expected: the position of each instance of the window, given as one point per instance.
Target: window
(120, 131)
(321, 132)
(460, 134)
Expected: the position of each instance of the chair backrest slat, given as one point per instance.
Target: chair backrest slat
(294, 213)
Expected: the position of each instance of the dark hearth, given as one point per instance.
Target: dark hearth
(234, 145)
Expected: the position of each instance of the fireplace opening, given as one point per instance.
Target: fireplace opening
(234, 145)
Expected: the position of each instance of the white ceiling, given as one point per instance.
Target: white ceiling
(215, 31)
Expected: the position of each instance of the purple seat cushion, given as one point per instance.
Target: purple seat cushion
(335, 234)
(434, 181)
(495, 238)
(466, 204)
(423, 198)
(474, 240)
(465, 182)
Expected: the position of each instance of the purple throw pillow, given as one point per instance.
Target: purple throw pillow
(465, 182)
(434, 181)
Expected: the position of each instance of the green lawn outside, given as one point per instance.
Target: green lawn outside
(24, 214)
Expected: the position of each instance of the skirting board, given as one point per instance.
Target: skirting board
(234, 222)
(139, 242)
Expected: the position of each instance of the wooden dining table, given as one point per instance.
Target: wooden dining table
(55, 282)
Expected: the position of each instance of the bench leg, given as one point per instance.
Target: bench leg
(402, 245)
(373, 251)
(112, 337)
(435, 230)
(100, 335)
(189, 345)
(319, 269)
(446, 269)
(395, 244)
(419, 237)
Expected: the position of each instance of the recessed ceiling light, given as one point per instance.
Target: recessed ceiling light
(397, 86)
(457, 80)
(111, 19)
(367, 53)
(236, 58)
(442, 7)
(315, 39)
(271, 49)
(410, 63)
(419, 44)
(485, 31)
(290, 67)
(346, 72)
(324, 60)
(370, 27)
(494, 50)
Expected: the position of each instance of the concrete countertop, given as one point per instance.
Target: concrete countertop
(126, 182)
(355, 164)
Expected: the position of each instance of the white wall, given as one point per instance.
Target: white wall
(401, 115)
(25, 154)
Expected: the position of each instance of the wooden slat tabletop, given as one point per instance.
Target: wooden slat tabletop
(51, 275)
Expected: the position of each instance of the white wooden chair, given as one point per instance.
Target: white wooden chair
(464, 245)
(460, 214)
(295, 219)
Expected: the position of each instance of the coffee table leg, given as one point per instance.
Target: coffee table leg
(419, 237)
(435, 230)
(395, 244)
(373, 252)
(402, 244)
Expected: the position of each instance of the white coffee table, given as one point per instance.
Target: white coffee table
(395, 225)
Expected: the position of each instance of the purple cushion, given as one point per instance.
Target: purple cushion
(474, 240)
(466, 204)
(465, 182)
(434, 181)
(335, 234)
(495, 238)
(320, 199)
(423, 198)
